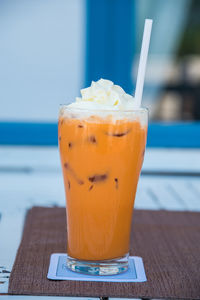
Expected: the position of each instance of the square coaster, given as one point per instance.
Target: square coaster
(59, 271)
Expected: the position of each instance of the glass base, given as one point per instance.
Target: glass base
(100, 267)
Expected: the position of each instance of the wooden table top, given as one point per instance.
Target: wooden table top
(32, 176)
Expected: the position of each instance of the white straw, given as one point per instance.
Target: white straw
(143, 61)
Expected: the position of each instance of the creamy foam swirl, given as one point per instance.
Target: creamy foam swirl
(104, 95)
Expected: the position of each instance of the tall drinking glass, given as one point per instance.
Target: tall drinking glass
(101, 155)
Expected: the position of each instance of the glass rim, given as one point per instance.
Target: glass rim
(136, 110)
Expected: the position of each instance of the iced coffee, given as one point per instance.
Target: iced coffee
(102, 139)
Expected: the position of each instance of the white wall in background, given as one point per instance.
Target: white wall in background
(42, 51)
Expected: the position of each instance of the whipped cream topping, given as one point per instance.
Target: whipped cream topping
(104, 95)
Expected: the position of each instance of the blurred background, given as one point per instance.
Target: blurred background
(50, 49)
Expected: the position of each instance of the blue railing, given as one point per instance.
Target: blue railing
(110, 41)
(32, 134)
(177, 135)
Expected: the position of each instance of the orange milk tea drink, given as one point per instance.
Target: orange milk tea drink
(102, 143)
